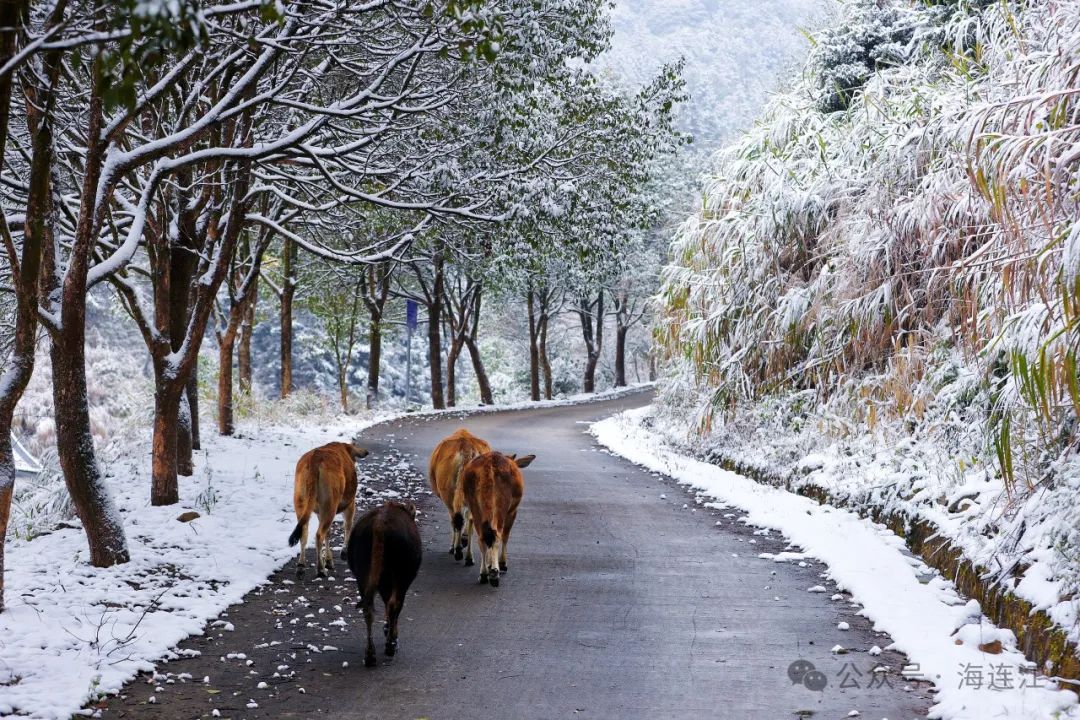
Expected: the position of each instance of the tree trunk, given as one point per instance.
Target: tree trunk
(545, 364)
(20, 367)
(226, 419)
(620, 355)
(7, 489)
(343, 388)
(185, 462)
(374, 359)
(434, 337)
(247, 327)
(192, 396)
(75, 443)
(486, 396)
(594, 339)
(534, 349)
(451, 373)
(168, 399)
(288, 289)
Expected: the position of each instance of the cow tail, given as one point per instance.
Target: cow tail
(375, 561)
(488, 534)
(295, 537)
(459, 521)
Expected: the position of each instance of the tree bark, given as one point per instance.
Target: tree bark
(26, 270)
(486, 396)
(74, 441)
(594, 338)
(288, 291)
(343, 388)
(185, 442)
(246, 328)
(534, 349)
(192, 396)
(545, 363)
(434, 338)
(374, 357)
(375, 289)
(451, 373)
(620, 355)
(164, 466)
(226, 418)
(182, 258)
(7, 489)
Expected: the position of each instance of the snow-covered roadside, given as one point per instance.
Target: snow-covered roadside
(928, 621)
(579, 399)
(72, 632)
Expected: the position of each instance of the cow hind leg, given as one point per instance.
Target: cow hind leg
(303, 544)
(493, 564)
(469, 562)
(322, 546)
(393, 609)
(369, 619)
(483, 560)
(460, 533)
(454, 534)
(350, 510)
(503, 567)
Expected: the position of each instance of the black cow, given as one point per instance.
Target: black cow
(384, 555)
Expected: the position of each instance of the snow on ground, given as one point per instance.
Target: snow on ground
(72, 632)
(939, 632)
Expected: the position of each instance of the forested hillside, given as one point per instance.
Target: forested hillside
(880, 291)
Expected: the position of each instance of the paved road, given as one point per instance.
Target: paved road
(619, 603)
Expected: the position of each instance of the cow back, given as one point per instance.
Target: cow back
(385, 550)
(448, 459)
(493, 487)
(328, 471)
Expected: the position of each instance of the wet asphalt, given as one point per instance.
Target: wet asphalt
(626, 597)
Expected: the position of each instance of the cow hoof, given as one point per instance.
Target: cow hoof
(453, 550)
(369, 660)
(391, 649)
(458, 554)
(503, 567)
(386, 630)
(469, 562)
(483, 578)
(494, 580)
(300, 571)
(320, 574)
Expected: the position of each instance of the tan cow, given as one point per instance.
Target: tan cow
(493, 487)
(444, 473)
(325, 484)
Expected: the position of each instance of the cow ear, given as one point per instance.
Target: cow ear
(525, 461)
(512, 456)
(359, 452)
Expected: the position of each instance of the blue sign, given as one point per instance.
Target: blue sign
(410, 314)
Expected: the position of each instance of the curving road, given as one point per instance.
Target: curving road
(618, 604)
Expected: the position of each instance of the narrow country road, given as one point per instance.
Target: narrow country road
(624, 599)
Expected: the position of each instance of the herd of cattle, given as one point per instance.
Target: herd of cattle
(481, 488)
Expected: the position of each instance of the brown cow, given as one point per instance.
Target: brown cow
(444, 473)
(493, 486)
(325, 484)
(384, 555)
